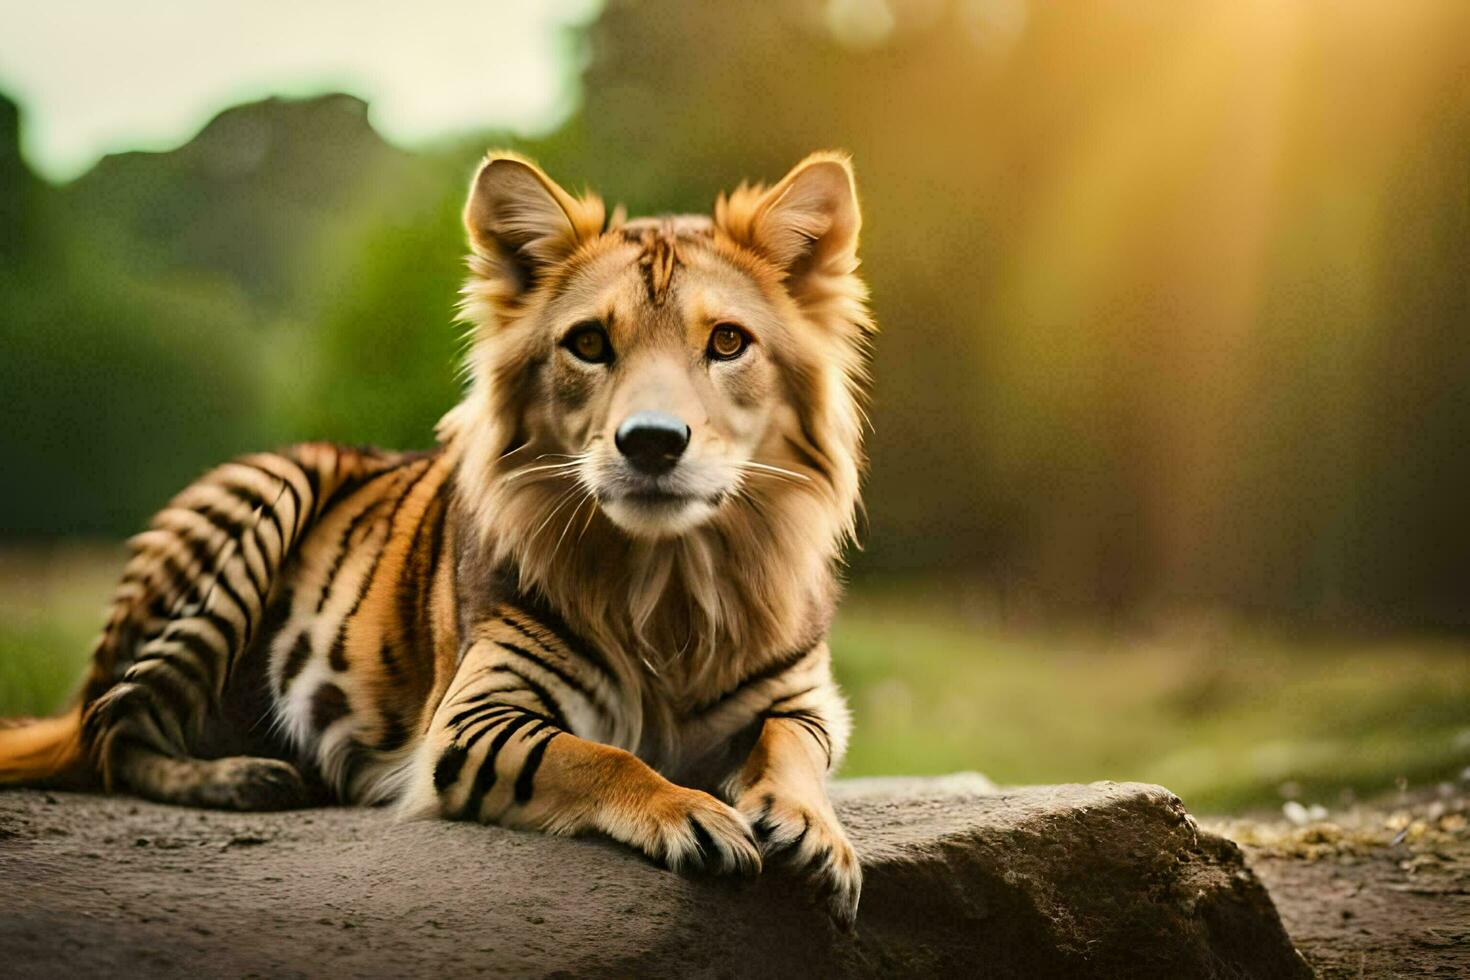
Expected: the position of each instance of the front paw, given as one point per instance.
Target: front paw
(687, 830)
(806, 836)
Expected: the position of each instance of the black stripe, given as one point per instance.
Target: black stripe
(791, 697)
(224, 523)
(159, 608)
(485, 775)
(470, 737)
(309, 473)
(225, 628)
(243, 493)
(424, 612)
(226, 631)
(521, 629)
(538, 692)
(338, 654)
(489, 713)
(178, 583)
(524, 782)
(395, 733)
(328, 706)
(181, 632)
(436, 544)
(247, 497)
(261, 585)
(773, 669)
(547, 618)
(469, 716)
(812, 722)
(236, 530)
(150, 705)
(177, 661)
(411, 597)
(446, 771)
(276, 614)
(540, 725)
(391, 667)
(300, 516)
(471, 699)
(168, 693)
(296, 659)
(545, 665)
(818, 733)
(344, 545)
(367, 582)
(594, 697)
(209, 566)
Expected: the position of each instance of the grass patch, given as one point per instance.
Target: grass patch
(52, 604)
(1224, 719)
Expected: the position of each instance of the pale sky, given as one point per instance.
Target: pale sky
(99, 76)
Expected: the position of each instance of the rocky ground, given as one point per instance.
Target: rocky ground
(1373, 890)
(1107, 880)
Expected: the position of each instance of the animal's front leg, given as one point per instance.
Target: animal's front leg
(782, 790)
(501, 749)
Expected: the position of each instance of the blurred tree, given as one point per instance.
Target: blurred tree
(1173, 295)
(18, 192)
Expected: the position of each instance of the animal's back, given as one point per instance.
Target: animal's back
(186, 652)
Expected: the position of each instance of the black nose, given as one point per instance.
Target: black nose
(652, 441)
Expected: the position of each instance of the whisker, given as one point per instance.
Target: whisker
(550, 469)
(561, 501)
(778, 477)
(571, 519)
(590, 514)
(512, 452)
(768, 468)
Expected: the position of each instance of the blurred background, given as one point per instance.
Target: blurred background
(1171, 462)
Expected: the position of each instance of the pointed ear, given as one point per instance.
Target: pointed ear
(808, 223)
(520, 222)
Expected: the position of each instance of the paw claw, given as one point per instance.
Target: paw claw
(806, 837)
(693, 831)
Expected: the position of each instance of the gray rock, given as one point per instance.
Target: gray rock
(962, 879)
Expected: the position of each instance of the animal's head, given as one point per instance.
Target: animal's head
(663, 377)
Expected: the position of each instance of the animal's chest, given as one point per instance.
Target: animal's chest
(691, 745)
(697, 752)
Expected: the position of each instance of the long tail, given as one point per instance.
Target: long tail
(44, 751)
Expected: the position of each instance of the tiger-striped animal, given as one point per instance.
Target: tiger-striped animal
(601, 605)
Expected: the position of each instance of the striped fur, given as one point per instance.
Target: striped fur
(480, 634)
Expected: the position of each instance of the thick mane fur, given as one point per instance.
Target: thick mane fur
(682, 618)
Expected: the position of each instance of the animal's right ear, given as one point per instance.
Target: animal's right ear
(520, 222)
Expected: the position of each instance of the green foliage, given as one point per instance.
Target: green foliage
(105, 384)
(380, 363)
(1163, 322)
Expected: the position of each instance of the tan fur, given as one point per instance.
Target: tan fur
(41, 751)
(694, 614)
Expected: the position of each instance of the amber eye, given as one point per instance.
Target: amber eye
(588, 342)
(727, 342)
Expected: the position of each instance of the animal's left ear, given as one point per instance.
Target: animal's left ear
(807, 224)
